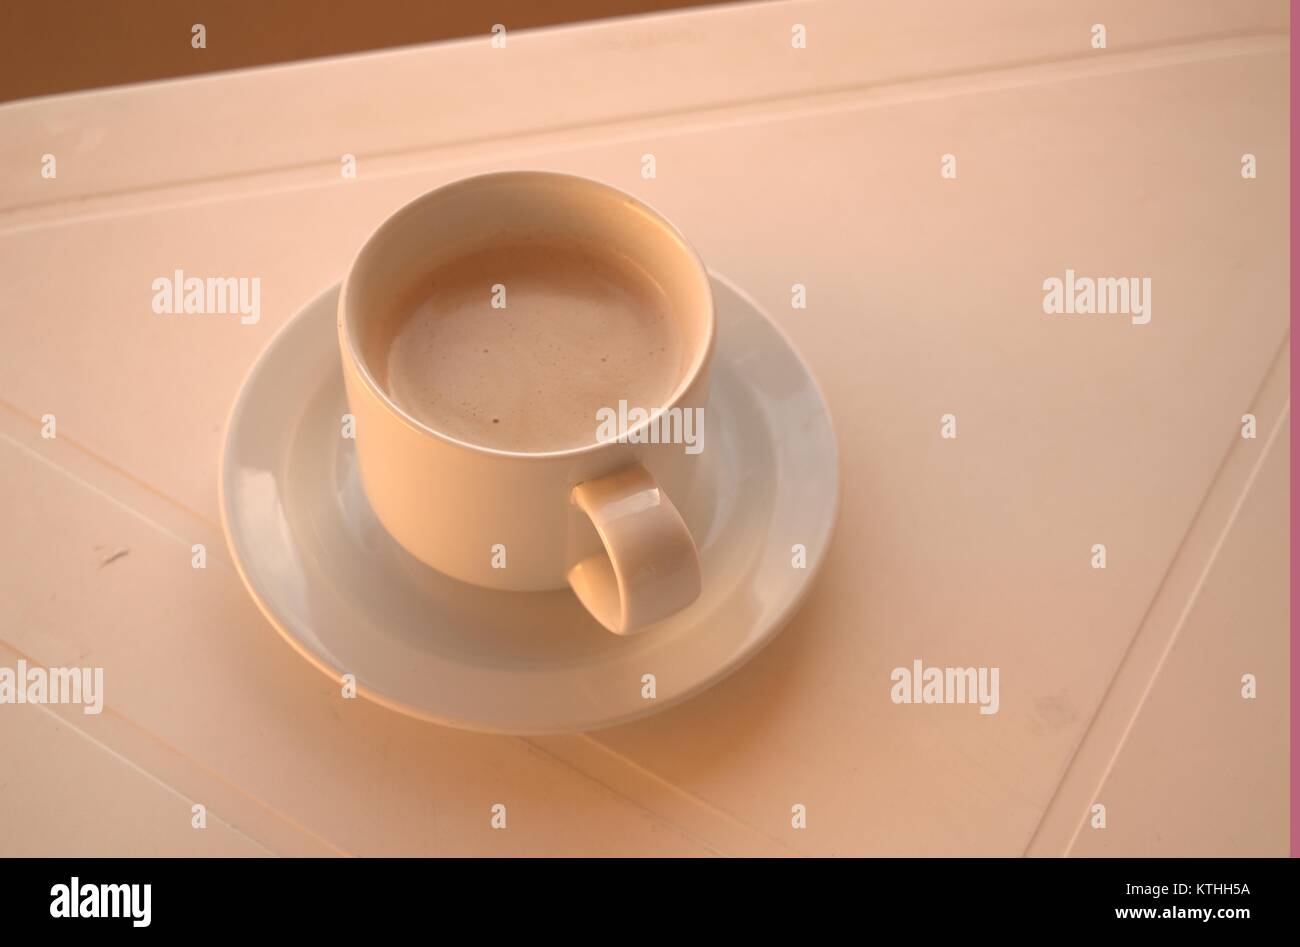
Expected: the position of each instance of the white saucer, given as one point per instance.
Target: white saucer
(350, 600)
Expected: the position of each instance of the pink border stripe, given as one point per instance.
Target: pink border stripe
(1295, 467)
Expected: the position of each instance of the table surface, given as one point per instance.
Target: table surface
(820, 166)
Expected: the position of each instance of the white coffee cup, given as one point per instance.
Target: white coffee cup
(598, 518)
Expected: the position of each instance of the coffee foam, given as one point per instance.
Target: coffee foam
(582, 328)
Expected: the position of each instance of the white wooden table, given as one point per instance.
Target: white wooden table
(819, 166)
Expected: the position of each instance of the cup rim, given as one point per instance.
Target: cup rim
(701, 358)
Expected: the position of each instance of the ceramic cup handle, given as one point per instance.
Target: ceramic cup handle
(650, 567)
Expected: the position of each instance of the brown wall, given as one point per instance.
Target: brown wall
(49, 46)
